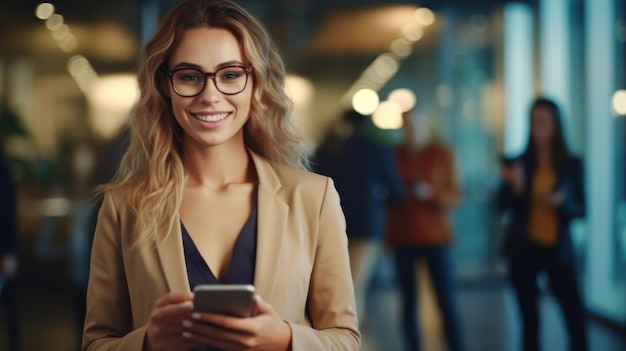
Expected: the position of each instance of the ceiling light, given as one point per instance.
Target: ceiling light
(388, 115)
(404, 98)
(401, 47)
(619, 102)
(54, 22)
(424, 16)
(365, 101)
(44, 10)
(413, 31)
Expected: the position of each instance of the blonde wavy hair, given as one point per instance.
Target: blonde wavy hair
(152, 169)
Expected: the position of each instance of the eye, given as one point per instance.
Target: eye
(189, 76)
(231, 73)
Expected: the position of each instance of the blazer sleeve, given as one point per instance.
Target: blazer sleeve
(507, 199)
(331, 304)
(108, 321)
(574, 204)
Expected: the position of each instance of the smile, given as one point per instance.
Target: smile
(211, 117)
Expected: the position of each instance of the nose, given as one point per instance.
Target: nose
(210, 92)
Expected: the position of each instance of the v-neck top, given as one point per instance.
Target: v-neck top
(240, 268)
(242, 261)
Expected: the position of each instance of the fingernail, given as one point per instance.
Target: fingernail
(195, 315)
(187, 323)
(187, 335)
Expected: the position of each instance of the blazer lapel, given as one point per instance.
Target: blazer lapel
(173, 259)
(271, 227)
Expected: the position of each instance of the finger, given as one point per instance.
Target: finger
(260, 306)
(174, 313)
(173, 298)
(224, 322)
(213, 335)
(204, 340)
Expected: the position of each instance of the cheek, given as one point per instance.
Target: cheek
(178, 109)
(244, 102)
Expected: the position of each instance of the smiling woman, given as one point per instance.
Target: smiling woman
(214, 190)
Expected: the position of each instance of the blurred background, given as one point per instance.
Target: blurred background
(67, 84)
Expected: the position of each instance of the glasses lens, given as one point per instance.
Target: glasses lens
(188, 82)
(231, 80)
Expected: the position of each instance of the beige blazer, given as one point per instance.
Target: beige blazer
(302, 266)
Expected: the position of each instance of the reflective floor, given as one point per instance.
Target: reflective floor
(488, 314)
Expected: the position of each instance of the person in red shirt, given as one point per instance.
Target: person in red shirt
(418, 228)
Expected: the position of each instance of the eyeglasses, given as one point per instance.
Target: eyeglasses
(190, 82)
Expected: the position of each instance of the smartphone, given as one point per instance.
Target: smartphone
(228, 299)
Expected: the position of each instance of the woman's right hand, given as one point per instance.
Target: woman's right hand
(165, 328)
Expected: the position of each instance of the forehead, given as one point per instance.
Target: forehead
(207, 48)
(541, 112)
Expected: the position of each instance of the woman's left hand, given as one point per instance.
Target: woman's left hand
(265, 330)
(556, 198)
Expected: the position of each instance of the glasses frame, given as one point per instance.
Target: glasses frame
(170, 74)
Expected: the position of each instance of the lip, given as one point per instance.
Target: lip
(211, 119)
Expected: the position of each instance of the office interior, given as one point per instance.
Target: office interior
(67, 85)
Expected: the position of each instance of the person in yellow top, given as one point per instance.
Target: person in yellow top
(543, 190)
(542, 222)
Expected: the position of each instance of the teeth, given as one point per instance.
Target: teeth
(211, 118)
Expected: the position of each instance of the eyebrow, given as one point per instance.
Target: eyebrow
(193, 65)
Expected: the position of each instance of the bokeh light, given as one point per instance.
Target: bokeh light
(401, 47)
(404, 98)
(424, 16)
(54, 22)
(413, 31)
(44, 10)
(365, 101)
(110, 100)
(618, 102)
(388, 115)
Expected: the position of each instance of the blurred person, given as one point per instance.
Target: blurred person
(8, 252)
(366, 177)
(419, 228)
(543, 189)
(213, 190)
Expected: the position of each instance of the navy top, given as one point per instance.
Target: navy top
(240, 268)
(366, 177)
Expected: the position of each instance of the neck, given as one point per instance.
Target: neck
(218, 166)
(416, 144)
(544, 156)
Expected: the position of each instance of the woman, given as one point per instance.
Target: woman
(544, 191)
(418, 228)
(212, 190)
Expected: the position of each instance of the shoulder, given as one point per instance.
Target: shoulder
(576, 160)
(440, 149)
(295, 178)
(115, 200)
(575, 164)
(290, 183)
